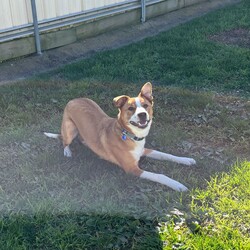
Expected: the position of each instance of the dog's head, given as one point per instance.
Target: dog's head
(136, 113)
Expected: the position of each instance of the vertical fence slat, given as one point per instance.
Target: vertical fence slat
(87, 5)
(75, 6)
(19, 12)
(5, 17)
(49, 9)
(29, 11)
(99, 3)
(40, 9)
(62, 7)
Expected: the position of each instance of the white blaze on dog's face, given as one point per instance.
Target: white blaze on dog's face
(136, 113)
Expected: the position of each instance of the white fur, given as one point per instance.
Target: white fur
(138, 102)
(50, 135)
(135, 117)
(168, 157)
(138, 151)
(162, 179)
(67, 152)
(140, 132)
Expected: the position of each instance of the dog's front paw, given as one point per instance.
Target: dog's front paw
(187, 161)
(179, 187)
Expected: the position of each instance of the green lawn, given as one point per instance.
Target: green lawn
(202, 110)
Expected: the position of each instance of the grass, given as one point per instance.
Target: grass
(219, 216)
(183, 56)
(49, 202)
(78, 231)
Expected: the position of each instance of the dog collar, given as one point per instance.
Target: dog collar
(126, 134)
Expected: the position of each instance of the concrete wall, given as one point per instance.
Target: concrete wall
(26, 46)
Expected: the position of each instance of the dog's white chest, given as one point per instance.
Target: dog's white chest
(138, 150)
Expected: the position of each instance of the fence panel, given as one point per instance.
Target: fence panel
(60, 22)
(5, 17)
(18, 13)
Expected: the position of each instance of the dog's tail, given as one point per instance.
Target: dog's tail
(54, 136)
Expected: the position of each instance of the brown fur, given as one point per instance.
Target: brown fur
(119, 140)
(101, 133)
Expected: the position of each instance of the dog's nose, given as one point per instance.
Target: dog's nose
(142, 116)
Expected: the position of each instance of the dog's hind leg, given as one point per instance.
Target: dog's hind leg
(68, 133)
(168, 157)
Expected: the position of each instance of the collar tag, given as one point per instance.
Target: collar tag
(124, 135)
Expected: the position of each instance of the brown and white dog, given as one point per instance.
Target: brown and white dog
(119, 140)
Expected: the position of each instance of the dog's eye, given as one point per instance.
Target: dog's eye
(131, 108)
(145, 106)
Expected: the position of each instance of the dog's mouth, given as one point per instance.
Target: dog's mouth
(141, 124)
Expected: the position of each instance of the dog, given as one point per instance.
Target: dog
(119, 140)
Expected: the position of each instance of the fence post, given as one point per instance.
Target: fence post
(36, 29)
(143, 11)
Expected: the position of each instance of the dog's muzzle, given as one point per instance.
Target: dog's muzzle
(139, 124)
(143, 122)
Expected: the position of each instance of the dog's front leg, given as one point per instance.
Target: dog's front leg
(168, 157)
(159, 178)
(163, 179)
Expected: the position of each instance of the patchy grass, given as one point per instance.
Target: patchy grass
(51, 202)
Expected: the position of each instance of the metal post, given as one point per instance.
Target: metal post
(143, 11)
(36, 29)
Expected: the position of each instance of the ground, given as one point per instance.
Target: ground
(237, 37)
(32, 65)
(85, 201)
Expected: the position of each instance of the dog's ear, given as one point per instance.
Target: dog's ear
(146, 91)
(119, 101)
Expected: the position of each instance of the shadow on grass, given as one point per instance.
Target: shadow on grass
(78, 231)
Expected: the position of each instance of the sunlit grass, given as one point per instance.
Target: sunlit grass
(219, 217)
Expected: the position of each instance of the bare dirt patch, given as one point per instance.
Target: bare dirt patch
(238, 37)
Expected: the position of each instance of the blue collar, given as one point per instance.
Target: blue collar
(126, 134)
